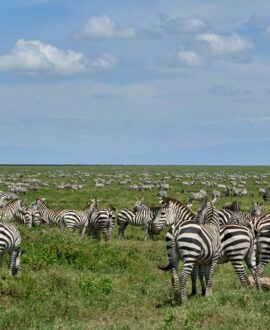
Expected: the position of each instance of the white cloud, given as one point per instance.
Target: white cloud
(226, 45)
(189, 58)
(184, 25)
(34, 57)
(103, 27)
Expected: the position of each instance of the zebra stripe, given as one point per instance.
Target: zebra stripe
(48, 215)
(8, 212)
(197, 244)
(10, 240)
(171, 213)
(101, 222)
(72, 219)
(142, 215)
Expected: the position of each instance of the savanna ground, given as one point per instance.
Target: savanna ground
(70, 282)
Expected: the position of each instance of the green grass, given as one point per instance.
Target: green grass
(70, 282)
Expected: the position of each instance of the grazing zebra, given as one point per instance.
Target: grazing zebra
(101, 221)
(72, 219)
(197, 244)
(8, 212)
(10, 240)
(141, 215)
(48, 215)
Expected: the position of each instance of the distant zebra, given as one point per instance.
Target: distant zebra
(49, 216)
(10, 240)
(197, 244)
(72, 219)
(9, 211)
(101, 222)
(141, 215)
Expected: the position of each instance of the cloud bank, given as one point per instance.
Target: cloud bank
(34, 57)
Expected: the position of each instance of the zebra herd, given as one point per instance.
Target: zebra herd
(201, 240)
(209, 237)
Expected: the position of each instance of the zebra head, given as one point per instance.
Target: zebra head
(255, 209)
(37, 202)
(139, 204)
(165, 217)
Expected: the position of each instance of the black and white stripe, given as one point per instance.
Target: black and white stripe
(72, 219)
(10, 240)
(142, 215)
(8, 212)
(101, 222)
(47, 215)
(237, 245)
(197, 244)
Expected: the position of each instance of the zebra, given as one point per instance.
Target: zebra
(100, 221)
(237, 243)
(229, 216)
(172, 210)
(31, 217)
(72, 219)
(9, 211)
(141, 215)
(10, 240)
(49, 216)
(197, 244)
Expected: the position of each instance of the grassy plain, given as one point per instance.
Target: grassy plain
(70, 282)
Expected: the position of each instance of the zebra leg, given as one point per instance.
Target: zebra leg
(146, 228)
(186, 272)
(251, 263)
(240, 271)
(201, 277)
(122, 228)
(208, 272)
(194, 281)
(14, 262)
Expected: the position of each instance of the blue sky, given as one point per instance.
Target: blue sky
(135, 82)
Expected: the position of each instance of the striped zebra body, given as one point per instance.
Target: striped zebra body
(102, 222)
(10, 240)
(72, 219)
(124, 217)
(238, 245)
(32, 217)
(195, 243)
(49, 216)
(9, 211)
(198, 244)
(142, 215)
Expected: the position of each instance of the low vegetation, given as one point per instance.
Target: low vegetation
(72, 282)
